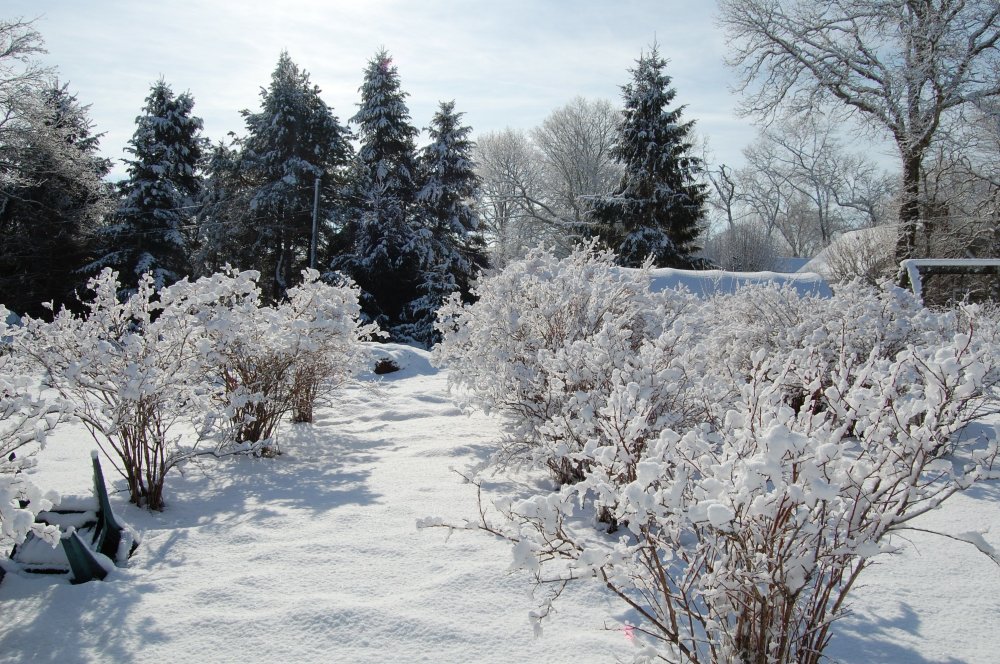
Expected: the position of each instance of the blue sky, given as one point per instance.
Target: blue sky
(504, 63)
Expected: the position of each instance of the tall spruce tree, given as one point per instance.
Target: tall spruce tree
(657, 207)
(382, 247)
(49, 213)
(448, 215)
(151, 229)
(293, 141)
(448, 193)
(219, 235)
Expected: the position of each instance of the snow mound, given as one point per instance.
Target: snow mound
(880, 239)
(706, 283)
(412, 361)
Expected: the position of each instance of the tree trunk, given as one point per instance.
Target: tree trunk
(909, 208)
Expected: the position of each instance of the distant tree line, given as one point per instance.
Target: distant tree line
(361, 200)
(295, 192)
(299, 188)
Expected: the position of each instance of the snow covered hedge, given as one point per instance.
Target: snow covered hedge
(271, 360)
(26, 417)
(752, 453)
(545, 340)
(195, 368)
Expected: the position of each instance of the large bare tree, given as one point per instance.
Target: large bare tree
(575, 142)
(538, 186)
(900, 65)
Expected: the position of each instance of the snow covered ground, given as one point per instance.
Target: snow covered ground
(315, 557)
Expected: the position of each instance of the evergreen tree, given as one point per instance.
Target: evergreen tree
(657, 207)
(224, 198)
(449, 218)
(50, 211)
(450, 188)
(382, 248)
(294, 140)
(151, 228)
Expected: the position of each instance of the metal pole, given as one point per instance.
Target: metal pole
(312, 244)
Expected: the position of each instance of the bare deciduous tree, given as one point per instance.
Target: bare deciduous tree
(960, 186)
(575, 142)
(899, 65)
(512, 216)
(21, 76)
(536, 186)
(744, 247)
(802, 187)
(803, 153)
(724, 194)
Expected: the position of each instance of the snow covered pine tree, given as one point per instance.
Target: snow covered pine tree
(449, 220)
(657, 207)
(150, 230)
(294, 139)
(381, 246)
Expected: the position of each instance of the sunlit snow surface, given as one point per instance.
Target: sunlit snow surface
(315, 557)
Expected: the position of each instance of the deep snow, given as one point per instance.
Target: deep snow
(315, 557)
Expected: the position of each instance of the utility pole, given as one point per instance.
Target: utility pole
(312, 244)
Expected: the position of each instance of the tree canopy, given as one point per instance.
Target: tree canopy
(899, 65)
(151, 229)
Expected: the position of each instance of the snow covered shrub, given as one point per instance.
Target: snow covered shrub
(256, 372)
(741, 543)
(855, 320)
(154, 376)
(272, 361)
(325, 330)
(604, 427)
(224, 311)
(25, 419)
(756, 452)
(813, 333)
(132, 376)
(544, 335)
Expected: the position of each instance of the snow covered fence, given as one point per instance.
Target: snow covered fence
(912, 268)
